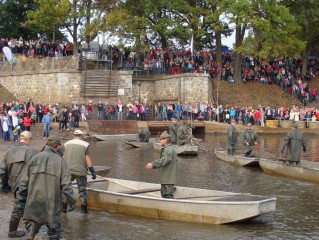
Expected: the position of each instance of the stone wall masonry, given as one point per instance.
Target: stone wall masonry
(65, 86)
(187, 87)
(46, 86)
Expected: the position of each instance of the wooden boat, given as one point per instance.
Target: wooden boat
(190, 204)
(238, 160)
(280, 167)
(108, 137)
(180, 150)
(102, 170)
(137, 144)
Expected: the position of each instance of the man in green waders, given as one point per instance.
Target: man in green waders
(294, 141)
(167, 165)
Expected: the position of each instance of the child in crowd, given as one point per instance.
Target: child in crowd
(16, 133)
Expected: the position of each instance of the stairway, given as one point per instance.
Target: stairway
(99, 84)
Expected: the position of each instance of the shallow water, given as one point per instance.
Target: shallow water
(296, 215)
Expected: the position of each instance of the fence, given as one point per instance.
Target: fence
(22, 64)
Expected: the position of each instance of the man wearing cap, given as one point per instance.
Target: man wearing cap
(11, 169)
(294, 141)
(183, 134)
(167, 165)
(144, 135)
(231, 137)
(78, 160)
(249, 140)
(45, 179)
(172, 129)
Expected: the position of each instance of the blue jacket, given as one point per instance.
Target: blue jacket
(46, 119)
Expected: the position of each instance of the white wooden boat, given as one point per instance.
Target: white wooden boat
(189, 205)
(280, 167)
(137, 144)
(239, 160)
(118, 136)
(180, 150)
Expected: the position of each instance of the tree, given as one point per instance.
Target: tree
(49, 17)
(307, 16)
(271, 30)
(12, 14)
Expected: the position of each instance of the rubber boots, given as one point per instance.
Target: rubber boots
(13, 226)
(64, 207)
(84, 209)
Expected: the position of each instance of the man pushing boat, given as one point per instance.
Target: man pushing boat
(167, 163)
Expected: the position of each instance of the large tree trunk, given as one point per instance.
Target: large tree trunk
(237, 69)
(240, 31)
(304, 62)
(219, 48)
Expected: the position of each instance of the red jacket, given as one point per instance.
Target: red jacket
(27, 121)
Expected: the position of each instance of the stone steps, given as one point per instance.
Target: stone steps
(100, 84)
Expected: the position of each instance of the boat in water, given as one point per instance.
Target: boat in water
(239, 160)
(282, 168)
(180, 150)
(115, 136)
(190, 204)
(138, 144)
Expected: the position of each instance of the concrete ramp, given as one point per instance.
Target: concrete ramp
(111, 127)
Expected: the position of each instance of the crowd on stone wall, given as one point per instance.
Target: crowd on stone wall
(17, 116)
(37, 48)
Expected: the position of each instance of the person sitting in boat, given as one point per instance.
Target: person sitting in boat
(172, 129)
(294, 141)
(249, 139)
(231, 138)
(184, 135)
(167, 163)
(144, 135)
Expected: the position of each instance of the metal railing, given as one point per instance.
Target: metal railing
(22, 64)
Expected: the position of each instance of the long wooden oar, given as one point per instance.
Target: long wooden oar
(200, 147)
(124, 185)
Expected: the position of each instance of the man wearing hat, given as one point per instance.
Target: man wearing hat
(249, 140)
(231, 137)
(11, 169)
(183, 134)
(172, 129)
(144, 135)
(43, 183)
(294, 141)
(167, 163)
(78, 159)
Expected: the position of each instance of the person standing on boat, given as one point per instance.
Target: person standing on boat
(11, 169)
(167, 165)
(144, 135)
(78, 160)
(231, 137)
(294, 141)
(249, 139)
(172, 129)
(184, 135)
(43, 183)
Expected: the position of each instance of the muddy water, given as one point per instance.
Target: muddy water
(296, 217)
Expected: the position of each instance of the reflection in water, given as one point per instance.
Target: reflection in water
(296, 216)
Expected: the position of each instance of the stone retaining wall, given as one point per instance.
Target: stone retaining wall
(65, 86)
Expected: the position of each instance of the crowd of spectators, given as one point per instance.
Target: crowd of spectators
(17, 116)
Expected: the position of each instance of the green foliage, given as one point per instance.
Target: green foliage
(12, 14)
(50, 16)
